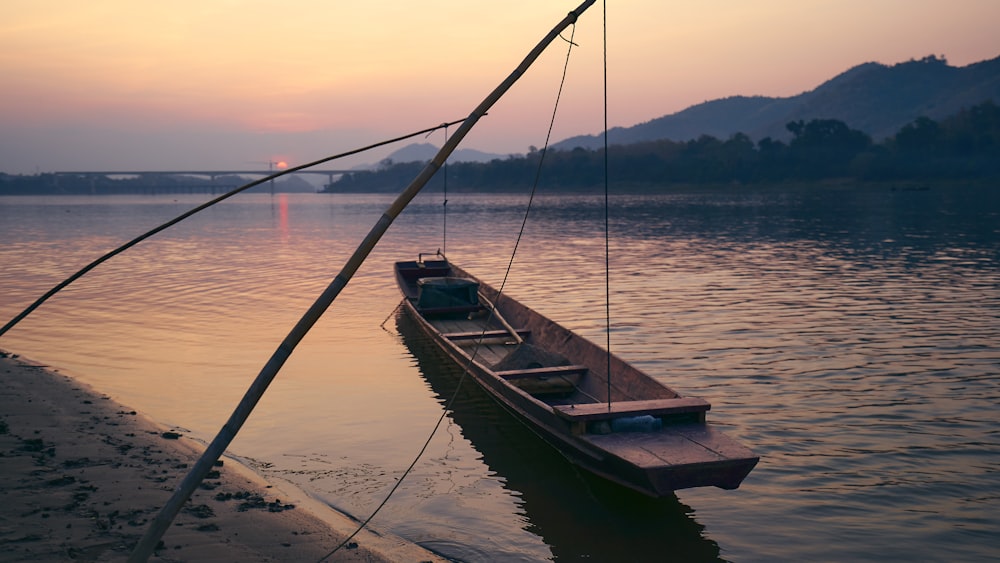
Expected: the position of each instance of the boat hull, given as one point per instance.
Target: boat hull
(679, 450)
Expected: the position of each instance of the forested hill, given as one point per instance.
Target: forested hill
(874, 98)
(964, 146)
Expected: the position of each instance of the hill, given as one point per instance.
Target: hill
(874, 98)
(422, 152)
(964, 147)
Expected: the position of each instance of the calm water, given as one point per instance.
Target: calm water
(850, 337)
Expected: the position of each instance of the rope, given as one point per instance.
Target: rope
(465, 371)
(162, 522)
(183, 216)
(444, 205)
(607, 223)
(392, 314)
(541, 161)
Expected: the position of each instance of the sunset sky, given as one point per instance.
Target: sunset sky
(209, 84)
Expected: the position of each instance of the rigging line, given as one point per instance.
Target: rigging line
(541, 161)
(206, 205)
(269, 372)
(398, 305)
(444, 206)
(406, 472)
(567, 40)
(423, 449)
(492, 309)
(607, 229)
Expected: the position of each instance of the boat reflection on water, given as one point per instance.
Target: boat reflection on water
(576, 514)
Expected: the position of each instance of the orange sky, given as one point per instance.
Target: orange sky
(222, 83)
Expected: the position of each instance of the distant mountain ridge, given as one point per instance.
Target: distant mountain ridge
(871, 97)
(422, 152)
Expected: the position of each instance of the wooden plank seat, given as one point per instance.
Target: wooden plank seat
(556, 380)
(542, 372)
(474, 335)
(450, 310)
(589, 412)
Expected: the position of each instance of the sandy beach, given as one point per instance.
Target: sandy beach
(81, 478)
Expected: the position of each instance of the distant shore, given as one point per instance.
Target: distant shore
(83, 476)
(29, 187)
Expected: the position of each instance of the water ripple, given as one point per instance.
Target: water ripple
(851, 338)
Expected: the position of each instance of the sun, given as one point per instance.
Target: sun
(282, 165)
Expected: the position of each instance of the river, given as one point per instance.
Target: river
(849, 336)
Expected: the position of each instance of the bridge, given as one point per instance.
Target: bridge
(210, 173)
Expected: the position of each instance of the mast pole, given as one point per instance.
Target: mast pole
(218, 446)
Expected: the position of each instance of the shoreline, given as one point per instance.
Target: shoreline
(84, 476)
(647, 187)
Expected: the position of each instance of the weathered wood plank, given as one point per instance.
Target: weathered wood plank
(714, 440)
(651, 450)
(490, 354)
(450, 310)
(473, 335)
(542, 372)
(652, 407)
(549, 386)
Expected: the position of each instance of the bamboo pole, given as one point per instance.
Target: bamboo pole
(218, 446)
(503, 322)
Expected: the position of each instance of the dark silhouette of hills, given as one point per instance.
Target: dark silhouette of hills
(917, 121)
(165, 183)
(874, 98)
(422, 152)
(962, 147)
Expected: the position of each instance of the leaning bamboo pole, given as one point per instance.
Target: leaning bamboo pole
(218, 446)
(500, 319)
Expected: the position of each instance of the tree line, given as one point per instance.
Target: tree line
(961, 147)
(964, 146)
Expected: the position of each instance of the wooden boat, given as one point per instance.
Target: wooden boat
(648, 437)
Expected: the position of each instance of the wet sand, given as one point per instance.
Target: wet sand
(81, 478)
